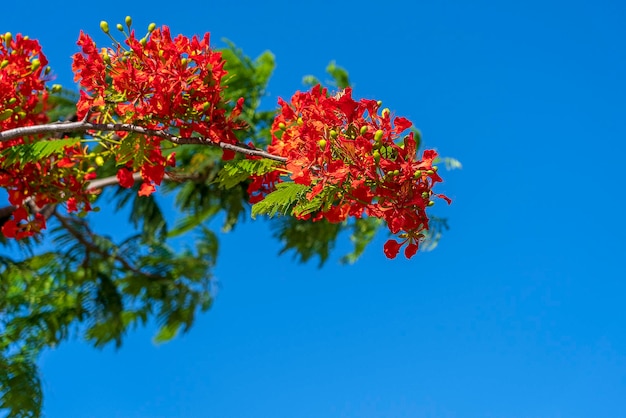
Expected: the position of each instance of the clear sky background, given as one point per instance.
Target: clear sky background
(519, 312)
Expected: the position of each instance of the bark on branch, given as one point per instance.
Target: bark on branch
(85, 126)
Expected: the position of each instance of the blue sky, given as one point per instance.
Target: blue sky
(518, 312)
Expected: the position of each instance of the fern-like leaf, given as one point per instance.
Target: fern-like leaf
(281, 200)
(236, 172)
(35, 151)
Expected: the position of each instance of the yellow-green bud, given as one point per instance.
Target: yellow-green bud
(120, 27)
(430, 172)
(151, 27)
(435, 168)
(417, 174)
(379, 103)
(281, 126)
(128, 21)
(4, 63)
(7, 37)
(431, 203)
(300, 121)
(376, 155)
(5, 114)
(12, 100)
(56, 88)
(378, 135)
(363, 130)
(396, 172)
(99, 161)
(333, 134)
(322, 143)
(184, 61)
(425, 195)
(104, 25)
(35, 64)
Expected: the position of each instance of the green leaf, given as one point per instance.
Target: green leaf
(166, 333)
(339, 75)
(363, 231)
(451, 163)
(280, 200)
(35, 151)
(236, 172)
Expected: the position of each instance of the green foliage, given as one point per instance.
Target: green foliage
(306, 239)
(281, 201)
(363, 232)
(34, 151)
(63, 104)
(236, 172)
(339, 74)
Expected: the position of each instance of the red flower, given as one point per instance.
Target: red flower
(392, 248)
(125, 177)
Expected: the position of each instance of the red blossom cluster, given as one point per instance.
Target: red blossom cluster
(23, 102)
(356, 161)
(157, 83)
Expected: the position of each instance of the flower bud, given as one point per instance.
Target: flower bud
(128, 21)
(379, 103)
(35, 64)
(99, 161)
(8, 37)
(104, 25)
(425, 195)
(6, 114)
(376, 155)
(120, 27)
(56, 88)
(322, 143)
(4, 63)
(151, 27)
(333, 134)
(431, 203)
(300, 121)
(430, 172)
(12, 100)
(363, 130)
(435, 168)
(378, 135)
(417, 174)
(281, 126)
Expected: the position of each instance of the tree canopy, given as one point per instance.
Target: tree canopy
(172, 115)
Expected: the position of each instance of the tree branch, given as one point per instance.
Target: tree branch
(84, 126)
(90, 245)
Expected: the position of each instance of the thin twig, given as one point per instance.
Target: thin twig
(84, 126)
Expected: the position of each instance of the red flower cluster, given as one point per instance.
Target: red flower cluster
(158, 83)
(23, 102)
(22, 84)
(356, 161)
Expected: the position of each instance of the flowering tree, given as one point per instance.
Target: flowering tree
(323, 163)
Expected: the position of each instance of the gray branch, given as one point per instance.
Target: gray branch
(84, 126)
